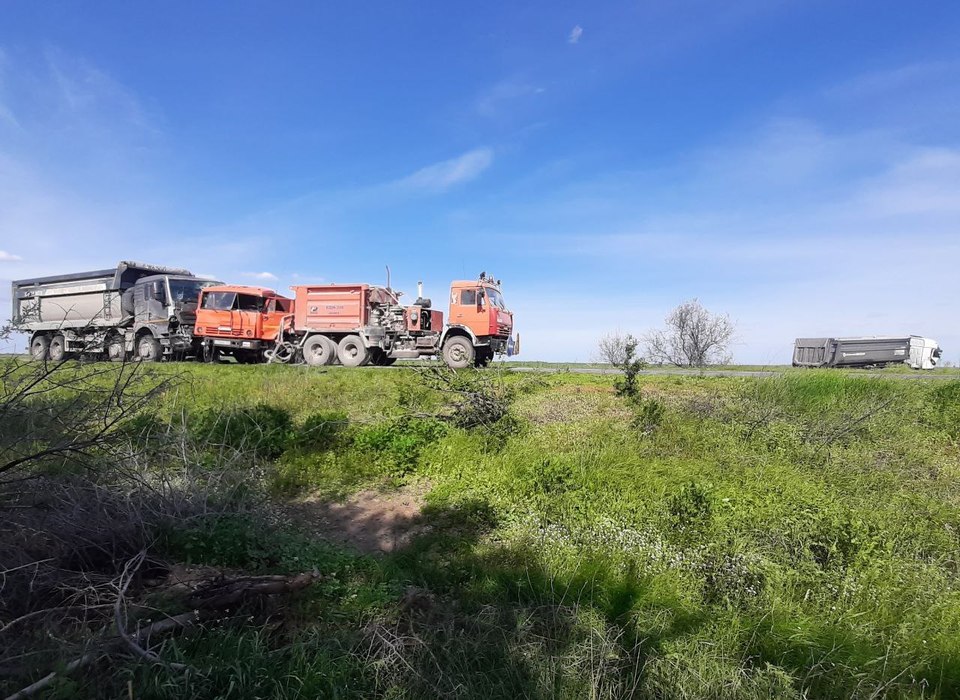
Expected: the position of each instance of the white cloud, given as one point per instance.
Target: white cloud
(9, 257)
(263, 276)
(575, 34)
(491, 102)
(448, 173)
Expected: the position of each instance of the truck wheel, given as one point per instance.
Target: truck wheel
(378, 358)
(458, 352)
(483, 358)
(251, 357)
(352, 352)
(319, 351)
(148, 349)
(58, 348)
(209, 353)
(40, 348)
(116, 352)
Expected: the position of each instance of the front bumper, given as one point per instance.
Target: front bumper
(237, 344)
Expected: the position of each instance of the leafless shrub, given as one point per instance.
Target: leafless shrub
(88, 479)
(430, 650)
(56, 412)
(693, 337)
(480, 398)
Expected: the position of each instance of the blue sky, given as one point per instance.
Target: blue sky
(795, 164)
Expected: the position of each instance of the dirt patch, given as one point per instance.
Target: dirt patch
(371, 521)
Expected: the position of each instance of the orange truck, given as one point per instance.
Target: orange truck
(239, 321)
(354, 324)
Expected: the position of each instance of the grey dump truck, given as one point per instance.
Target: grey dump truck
(133, 310)
(867, 351)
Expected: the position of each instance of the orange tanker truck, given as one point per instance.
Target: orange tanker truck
(354, 324)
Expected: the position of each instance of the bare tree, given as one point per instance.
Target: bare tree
(693, 337)
(621, 352)
(612, 348)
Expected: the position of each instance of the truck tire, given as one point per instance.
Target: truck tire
(458, 352)
(352, 352)
(209, 353)
(58, 349)
(319, 351)
(249, 357)
(148, 349)
(378, 358)
(483, 358)
(116, 349)
(40, 348)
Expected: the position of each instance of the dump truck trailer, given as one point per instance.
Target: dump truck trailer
(132, 310)
(868, 351)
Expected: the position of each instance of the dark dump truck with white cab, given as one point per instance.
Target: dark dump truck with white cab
(867, 351)
(133, 310)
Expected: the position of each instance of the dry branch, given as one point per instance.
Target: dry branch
(218, 594)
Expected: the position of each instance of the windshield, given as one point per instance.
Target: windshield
(496, 300)
(218, 301)
(187, 290)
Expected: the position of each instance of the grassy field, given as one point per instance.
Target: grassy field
(715, 537)
(897, 369)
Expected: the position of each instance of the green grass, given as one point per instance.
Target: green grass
(795, 536)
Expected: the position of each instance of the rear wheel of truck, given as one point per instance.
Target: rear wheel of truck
(116, 351)
(458, 352)
(352, 352)
(379, 358)
(40, 348)
(319, 351)
(58, 348)
(148, 349)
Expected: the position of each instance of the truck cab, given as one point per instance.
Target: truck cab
(480, 326)
(166, 306)
(240, 321)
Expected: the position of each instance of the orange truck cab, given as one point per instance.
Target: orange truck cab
(240, 321)
(479, 325)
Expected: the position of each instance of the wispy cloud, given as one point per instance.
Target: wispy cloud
(82, 179)
(491, 101)
(575, 34)
(448, 173)
(262, 276)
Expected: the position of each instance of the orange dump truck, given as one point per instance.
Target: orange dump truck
(356, 324)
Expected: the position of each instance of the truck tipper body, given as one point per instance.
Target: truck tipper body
(355, 324)
(867, 351)
(133, 309)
